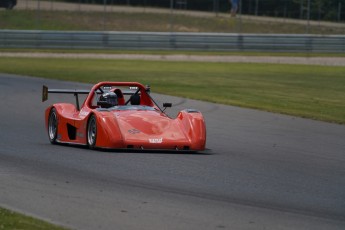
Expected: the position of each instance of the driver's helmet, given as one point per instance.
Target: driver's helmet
(108, 99)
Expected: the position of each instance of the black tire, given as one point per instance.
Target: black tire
(52, 126)
(91, 132)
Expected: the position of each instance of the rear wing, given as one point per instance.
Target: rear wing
(75, 92)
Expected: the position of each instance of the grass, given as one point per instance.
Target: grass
(316, 92)
(126, 21)
(12, 220)
(173, 52)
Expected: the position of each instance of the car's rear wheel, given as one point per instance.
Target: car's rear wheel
(52, 126)
(92, 132)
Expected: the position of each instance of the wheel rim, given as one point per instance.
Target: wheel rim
(52, 126)
(91, 133)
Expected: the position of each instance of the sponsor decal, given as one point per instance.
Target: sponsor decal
(133, 88)
(83, 113)
(134, 131)
(156, 140)
(106, 87)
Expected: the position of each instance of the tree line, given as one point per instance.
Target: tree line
(332, 10)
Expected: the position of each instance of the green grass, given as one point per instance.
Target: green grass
(11, 220)
(121, 21)
(173, 52)
(316, 92)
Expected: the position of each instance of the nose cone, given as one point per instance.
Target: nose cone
(150, 129)
(149, 123)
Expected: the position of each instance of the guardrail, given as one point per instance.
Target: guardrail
(171, 41)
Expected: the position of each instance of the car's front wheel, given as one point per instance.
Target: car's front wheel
(92, 132)
(52, 126)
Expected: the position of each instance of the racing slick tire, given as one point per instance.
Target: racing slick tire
(92, 132)
(52, 126)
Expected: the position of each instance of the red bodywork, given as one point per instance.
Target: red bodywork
(135, 127)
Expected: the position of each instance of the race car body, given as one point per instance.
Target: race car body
(122, 115)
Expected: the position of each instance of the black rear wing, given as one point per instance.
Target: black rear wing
(75, 92)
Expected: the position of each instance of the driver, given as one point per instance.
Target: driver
(108, 99)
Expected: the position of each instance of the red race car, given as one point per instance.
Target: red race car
(122, 115)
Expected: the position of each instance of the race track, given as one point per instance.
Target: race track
(263, 171)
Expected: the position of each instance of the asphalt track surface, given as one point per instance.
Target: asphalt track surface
(263, 171)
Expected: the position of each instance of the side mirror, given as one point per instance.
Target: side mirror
(167, 105)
